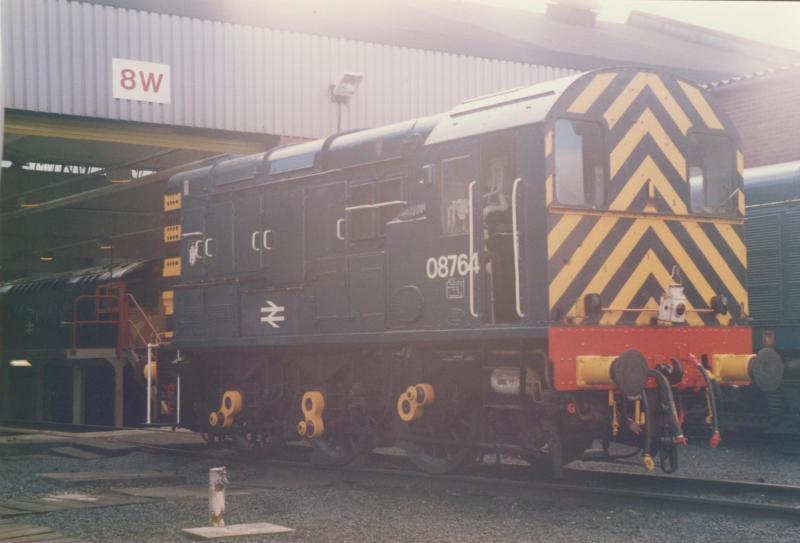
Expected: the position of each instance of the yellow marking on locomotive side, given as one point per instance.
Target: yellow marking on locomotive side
(172, 233)
(685, 263)
(739, 162)
(168, 302)
(646, 124)
(734, 241)
(636, 86)
(592, 92)
(548, 143)
(172, 201)
(740, 202)
(172, 267)
(560, 231)
(702, 106)
(718, 263)
(548, 189)
(648, 170)
(578, 260)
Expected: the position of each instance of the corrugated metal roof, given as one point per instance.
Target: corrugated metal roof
(478, 29)
(228, 76)
(793, 69)
(72, 278)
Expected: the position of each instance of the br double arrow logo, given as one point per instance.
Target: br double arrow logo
(272, 314)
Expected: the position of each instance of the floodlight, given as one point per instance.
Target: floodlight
(346, 87)
(46, 256)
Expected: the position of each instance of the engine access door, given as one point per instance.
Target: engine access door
(327, 266)
(281, 238)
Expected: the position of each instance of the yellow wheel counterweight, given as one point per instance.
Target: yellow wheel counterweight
(312, 405)
(411, 402)
(232, 402)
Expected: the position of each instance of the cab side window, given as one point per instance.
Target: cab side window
(456, 177)
(579, 163)
(372, 205)
(711, 174)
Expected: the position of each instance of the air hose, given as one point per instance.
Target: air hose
(665, 391)
(711, 391)
(647, 454)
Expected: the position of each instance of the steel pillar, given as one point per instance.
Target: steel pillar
(118, 365)
(38, 391)
(3, 389)
(78, 394)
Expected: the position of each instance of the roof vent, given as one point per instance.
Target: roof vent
(575, 12)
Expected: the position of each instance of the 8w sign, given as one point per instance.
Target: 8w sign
(139, 80)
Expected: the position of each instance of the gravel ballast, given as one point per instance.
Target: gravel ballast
(341, 506)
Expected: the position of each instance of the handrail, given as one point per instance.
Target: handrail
(138, 333)
(471, 250)
(123, 323)
(76, 322)
(515, 227)
(153, 330)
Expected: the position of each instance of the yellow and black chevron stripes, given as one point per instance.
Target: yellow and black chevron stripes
(640, 82)
(627, 249)
(592, 92)
(702, 106)
(650, 266)
(628, 261)
(646, 125)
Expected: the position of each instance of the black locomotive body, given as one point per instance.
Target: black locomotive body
(525, 273)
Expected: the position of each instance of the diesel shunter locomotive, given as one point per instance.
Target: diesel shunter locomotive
(529, 272)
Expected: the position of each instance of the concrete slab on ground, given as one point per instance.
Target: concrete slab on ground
(106, 446)
(66, 501)
(186, 492)
(73, 452)
(19, 533)
(236, 530)
(21, 444)
(99, 477)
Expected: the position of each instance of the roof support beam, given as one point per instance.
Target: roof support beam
(110, 191)
(20, 123)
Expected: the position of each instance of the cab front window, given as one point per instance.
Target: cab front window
(712, 185)
(579, 164)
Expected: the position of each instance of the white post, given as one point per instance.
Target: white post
(217, 481)
(149, 369)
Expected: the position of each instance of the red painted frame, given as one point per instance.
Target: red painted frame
(658, 344)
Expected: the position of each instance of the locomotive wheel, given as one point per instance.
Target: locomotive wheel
(338, 450)
(255, 442)
(552, 452)
(441, 458)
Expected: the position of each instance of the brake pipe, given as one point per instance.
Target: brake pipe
(716, 437)
(647, 456)
(665, 390)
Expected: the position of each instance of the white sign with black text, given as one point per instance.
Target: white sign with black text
(140, 80)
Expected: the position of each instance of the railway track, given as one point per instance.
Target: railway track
(731, 496)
